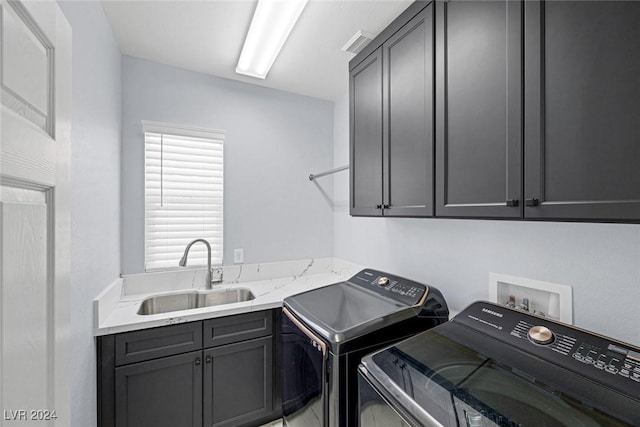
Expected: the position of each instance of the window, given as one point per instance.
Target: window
(183, 194)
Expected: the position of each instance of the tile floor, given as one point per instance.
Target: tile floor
(277, 423)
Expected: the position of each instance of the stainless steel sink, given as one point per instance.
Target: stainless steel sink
(207, 299)
(166, 303)
(193, 299)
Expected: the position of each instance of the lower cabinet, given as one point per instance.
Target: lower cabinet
(237, 383)
(231, 380)
(166, 392)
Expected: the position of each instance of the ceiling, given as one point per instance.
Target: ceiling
(207, 36)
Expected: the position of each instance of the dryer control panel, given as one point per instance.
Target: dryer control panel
(403, 290)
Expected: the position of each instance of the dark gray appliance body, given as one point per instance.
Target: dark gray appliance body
(495, 366)
(326, 332)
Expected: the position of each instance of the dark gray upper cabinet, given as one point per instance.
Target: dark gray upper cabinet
(582, 92)
(479, 109)
(407, 123)
(365, 86)
(165, 392)
(391, 119)
(536, 112)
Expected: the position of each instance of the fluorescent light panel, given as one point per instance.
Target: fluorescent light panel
(272, 23)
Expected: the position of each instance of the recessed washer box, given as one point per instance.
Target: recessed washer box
(552, 300)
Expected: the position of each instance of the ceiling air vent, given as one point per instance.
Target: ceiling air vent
(358, 41)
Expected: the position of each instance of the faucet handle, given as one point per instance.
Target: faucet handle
(216, 274)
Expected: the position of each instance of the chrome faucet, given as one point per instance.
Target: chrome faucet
(183, 260)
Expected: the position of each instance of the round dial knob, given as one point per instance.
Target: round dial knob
(541, 335)
(383, 281)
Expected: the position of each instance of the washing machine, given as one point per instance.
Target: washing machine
(496, 366)
(326, 332)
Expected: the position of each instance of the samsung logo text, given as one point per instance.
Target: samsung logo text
(491, 312)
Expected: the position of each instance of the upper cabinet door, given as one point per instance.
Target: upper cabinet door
(408, 118)
(582, 93)
(479, 109)
(365, 121)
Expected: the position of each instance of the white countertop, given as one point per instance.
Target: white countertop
(116, 308)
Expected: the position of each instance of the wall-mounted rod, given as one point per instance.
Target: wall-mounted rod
(329, 172)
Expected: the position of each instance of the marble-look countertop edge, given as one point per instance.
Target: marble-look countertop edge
(185, 316)
(269, 294)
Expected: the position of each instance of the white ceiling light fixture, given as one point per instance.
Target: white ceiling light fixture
(272, 23)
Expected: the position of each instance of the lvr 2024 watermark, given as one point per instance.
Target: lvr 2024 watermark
(29, 415)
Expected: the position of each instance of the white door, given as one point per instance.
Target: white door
(35, 43)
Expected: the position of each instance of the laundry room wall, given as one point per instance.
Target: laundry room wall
(274, 140)
(95, 189)
(600, 261)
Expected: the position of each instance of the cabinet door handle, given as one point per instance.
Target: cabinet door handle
(378, 206)
(197, 362)
(513, 203)
(208, 359)
(532, 202)
(386, 206)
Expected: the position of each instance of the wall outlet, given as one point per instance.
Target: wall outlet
(547, 299)
(238, 256)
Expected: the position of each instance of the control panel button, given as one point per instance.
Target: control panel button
(383, 281)
(611, 369)
(541, 335)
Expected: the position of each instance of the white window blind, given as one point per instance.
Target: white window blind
(183, 194)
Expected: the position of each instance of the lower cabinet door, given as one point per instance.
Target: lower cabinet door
(238, 383)
(165, 392)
